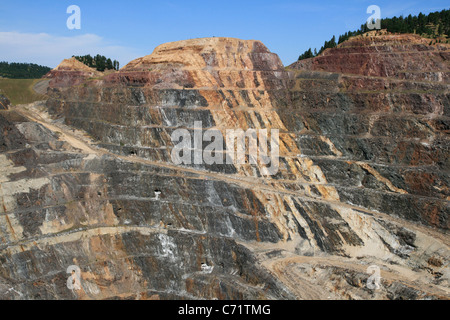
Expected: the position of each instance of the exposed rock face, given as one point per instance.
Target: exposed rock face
(401, 56)
(363, 180)
(384, 123)
(70, 72)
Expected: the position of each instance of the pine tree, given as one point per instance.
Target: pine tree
(109, 64)
(116, 65)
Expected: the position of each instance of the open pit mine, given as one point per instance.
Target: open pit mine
(358, 207)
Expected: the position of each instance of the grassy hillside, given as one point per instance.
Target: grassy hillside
(20, 91)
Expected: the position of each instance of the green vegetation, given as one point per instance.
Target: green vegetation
(101, 63)
(433, 25)
(308, 54)
(22, 70)
(20, 91)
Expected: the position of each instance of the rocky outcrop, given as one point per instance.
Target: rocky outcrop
(382, 54)
(70, 72)
(362, 181)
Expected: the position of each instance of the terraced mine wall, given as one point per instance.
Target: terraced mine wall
(362, 180)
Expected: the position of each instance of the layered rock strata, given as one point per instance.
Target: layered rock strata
(362, 180)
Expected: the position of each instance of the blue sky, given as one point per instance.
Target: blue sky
(36, 31)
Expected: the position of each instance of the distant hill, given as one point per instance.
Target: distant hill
(22, 70)
(435, 25)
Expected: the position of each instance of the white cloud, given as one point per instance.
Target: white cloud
(50, 50)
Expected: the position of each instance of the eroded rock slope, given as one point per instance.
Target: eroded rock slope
(88, 179)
